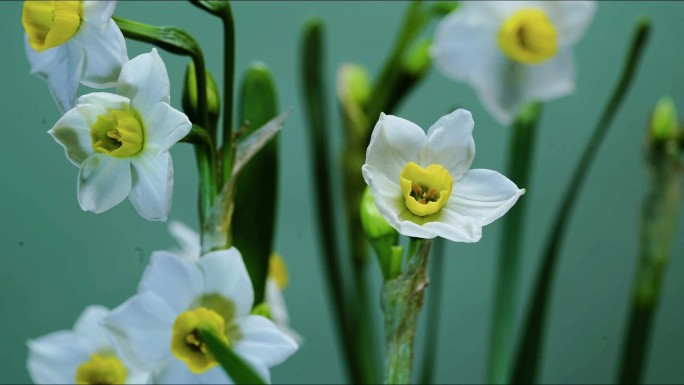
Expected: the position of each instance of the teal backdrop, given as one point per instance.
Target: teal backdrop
(56, 259)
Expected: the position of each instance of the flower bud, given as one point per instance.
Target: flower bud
(262, 309)
(190, 102)
(372, 221)
(664, 124)
(418, 60)
(353, 84)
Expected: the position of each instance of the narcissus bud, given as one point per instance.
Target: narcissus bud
(372, 221)
(664, 124)
(190, 102)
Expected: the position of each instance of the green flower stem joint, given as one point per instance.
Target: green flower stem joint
(659, 215)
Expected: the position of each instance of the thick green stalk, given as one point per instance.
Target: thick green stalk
(434, 300)
(312, 64)
(402, 302)
(228, 80)
(180, 42)
(658, 222)
(520, 160)
(529, 352)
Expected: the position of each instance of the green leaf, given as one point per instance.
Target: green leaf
(256, 190)
(234, 366)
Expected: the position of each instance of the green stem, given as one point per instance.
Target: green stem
(520, 160)
(228, 79)
(433, 312)
(403, 300)
(381, 95)
(312, 64)
(529, 353)
(658, 217)
(179, 42)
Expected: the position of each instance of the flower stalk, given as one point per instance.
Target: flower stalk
(659, 215)
(402, 303)
(530, 350)
(520, 160)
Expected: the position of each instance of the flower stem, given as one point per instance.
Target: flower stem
(403, 300)
(312, 64)
(658, 221)
(382, 94)
(520, 159)
(228, 80)
(529, 352)
(433, 311)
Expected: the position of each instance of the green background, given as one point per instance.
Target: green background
(56, 259)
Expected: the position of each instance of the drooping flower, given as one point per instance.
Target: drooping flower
(422, 184)
(276, 282)
(121, 141)
(157, 329)
(512, 52)
(72, 42)
(83, 355)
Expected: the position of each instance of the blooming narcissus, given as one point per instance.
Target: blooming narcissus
(121, 141)
(276, 282)
(72, 42)
(422, 184)
(512, 52)
(83, 355)
(158, 329)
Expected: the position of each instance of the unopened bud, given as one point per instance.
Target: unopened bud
(372, 221)
(190, 101)
(664, 124)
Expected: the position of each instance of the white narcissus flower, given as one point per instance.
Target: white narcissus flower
(422, 184)
(512, 52)
(157, 329)
(276, 282)
(121, 142)
(72, 42)
(83, 355)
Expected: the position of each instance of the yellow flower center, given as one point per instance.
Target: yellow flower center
(277, 270)
(528, 37)
(425, 190)
(186, 342)
(101, 369)
(51, 23)
(119, 134)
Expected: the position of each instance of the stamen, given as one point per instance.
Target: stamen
(417, 189)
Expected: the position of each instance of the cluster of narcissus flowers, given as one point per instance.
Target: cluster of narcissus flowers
(120, 142)
(154, 336)
(423, 185)
(512, 53)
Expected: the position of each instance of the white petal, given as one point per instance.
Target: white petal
(570, 18)
(450, 143)
(145, 81)
(483, 195)
(164, 127)
(262, 340)
(135, 377)
(141, 329)
(54, 358)
(394, 143)
(225, 274)
(464, 40)
(73, 134)
(105, 53)
(103, 182)
(152, 187)
(276, 303)
(188, 239)
(89, 326)
(178, 282)
(61, 68)
(177, 372)
(98, 12)
(455, 227)
(550, 80)
(94, 104)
